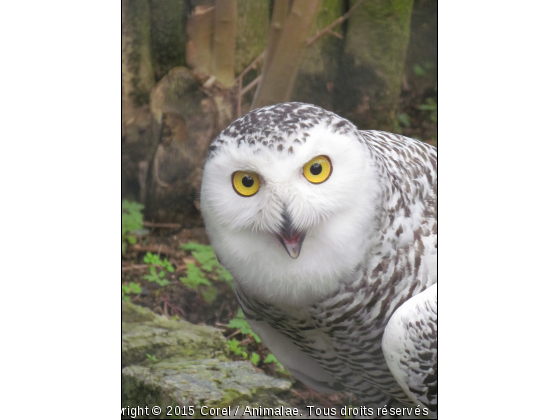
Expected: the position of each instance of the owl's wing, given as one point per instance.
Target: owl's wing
(292, 340)
(410, 347)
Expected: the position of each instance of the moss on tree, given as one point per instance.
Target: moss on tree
(318, 68)
(167, 35)
(370, 73)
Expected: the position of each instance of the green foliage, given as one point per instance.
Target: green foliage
(152, 358)
(255, 358)
(157, 276)
(422, 70)
(272, 359)
(238, 350)
(241, 324)
(128, 288)
(400, 120)
(198, 277)
(195, 277)
(210, 294)
(430, 106)
(132, 219)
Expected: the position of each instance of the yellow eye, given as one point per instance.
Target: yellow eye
(318, 169)
(245, 183)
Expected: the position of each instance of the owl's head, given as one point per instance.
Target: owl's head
(289, 195)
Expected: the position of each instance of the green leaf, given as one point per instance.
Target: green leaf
(224, 275)
(242, 325)
(135, 287)
(235, 348)
(270, 359)
(210, 294)
(418, 71)
(403, 118)
(207, 259)
(162, 282)
(194, 278)
(255, 358)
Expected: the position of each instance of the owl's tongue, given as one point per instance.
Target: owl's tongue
(292, 243)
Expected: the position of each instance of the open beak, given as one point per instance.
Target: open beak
(289, 237)
(292, 244)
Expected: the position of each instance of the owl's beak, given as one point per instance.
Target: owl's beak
(289, 237)
(292, 244)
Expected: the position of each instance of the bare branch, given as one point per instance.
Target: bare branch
(337, 22)
(251, 85)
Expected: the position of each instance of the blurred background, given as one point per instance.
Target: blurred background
(191, 67)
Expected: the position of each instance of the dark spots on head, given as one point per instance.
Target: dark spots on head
(280, 148)
(290, 150)
(276, 123)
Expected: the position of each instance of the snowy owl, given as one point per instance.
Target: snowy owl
(331, 236)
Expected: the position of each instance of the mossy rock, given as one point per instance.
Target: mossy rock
(144, 332)
(192, 368)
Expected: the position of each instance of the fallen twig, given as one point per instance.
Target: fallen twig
(229, 337)
(135, 267)
(157, 249)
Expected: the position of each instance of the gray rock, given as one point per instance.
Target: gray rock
(192, 369)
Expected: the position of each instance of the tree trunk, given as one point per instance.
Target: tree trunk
(368, 85)
(225, 15)
(200, 31)
(167, 35)
(186, 119)
(252, 30)
(278, 80)
(318, 68)
(137, 81)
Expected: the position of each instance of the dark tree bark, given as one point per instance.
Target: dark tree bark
(318, 69)
(167, 35)
(185, 118)
(137, 81)
(370, 73)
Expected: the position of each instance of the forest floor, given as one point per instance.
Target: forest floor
(195, 305)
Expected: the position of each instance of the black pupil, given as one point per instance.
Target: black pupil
(247, 181)
(316, 169)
